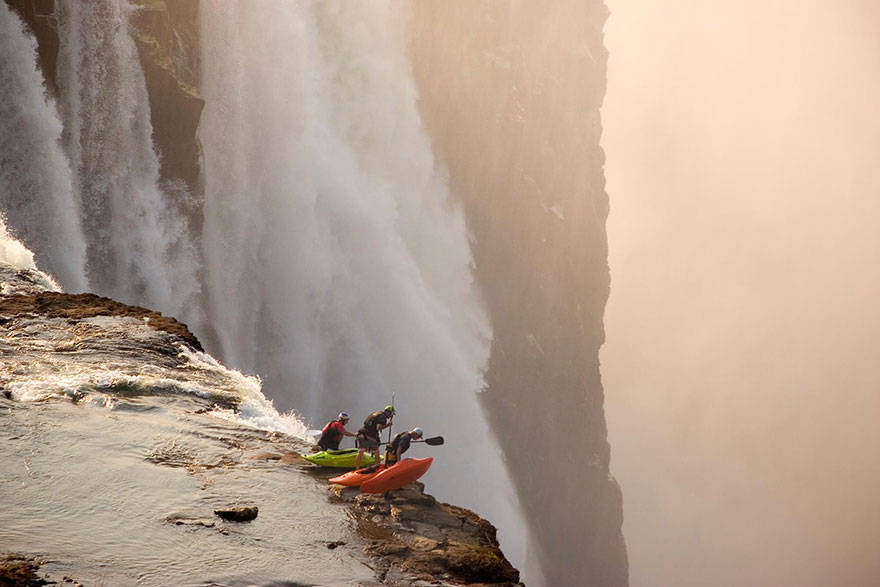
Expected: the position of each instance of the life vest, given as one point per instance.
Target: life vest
(331, 435)
(401, 440)
(372, 423)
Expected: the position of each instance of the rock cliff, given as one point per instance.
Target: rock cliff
(511, 93)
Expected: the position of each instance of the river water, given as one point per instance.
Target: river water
(119, 442)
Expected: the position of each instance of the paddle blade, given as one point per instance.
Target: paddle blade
(434, 441)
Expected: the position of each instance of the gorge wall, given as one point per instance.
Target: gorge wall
(167, 38)
(511, 95)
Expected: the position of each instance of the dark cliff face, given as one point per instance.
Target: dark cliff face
(167, 37)
(511, 96)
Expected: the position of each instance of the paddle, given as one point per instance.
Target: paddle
(433, 441)
(392, 416)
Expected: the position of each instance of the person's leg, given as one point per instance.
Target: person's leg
(360, 455)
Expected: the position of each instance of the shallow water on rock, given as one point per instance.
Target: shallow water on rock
(122, 492)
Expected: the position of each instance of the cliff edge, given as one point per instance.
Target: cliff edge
(405, 537)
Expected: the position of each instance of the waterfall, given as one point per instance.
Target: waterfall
(36, 184)
(336, 263)
(139, 248)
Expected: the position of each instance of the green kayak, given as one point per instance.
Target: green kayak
(339, 459)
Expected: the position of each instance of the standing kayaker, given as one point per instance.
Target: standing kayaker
(368, 436)
(400, 445)
(333, 431)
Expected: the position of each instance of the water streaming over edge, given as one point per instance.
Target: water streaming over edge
(36, 183)
(337, 264)
(139, 247)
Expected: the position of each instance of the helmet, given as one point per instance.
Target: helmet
(389, 409)
(416, 432)
(342, 416)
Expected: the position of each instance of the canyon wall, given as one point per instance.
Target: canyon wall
(167, 38)
(511, 94)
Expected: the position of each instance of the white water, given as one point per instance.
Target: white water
(13, 253)
(336, 264)
(36, 186)
(139, 248)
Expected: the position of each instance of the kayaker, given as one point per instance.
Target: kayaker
(400, 445)
(368, 436)
(333, 431)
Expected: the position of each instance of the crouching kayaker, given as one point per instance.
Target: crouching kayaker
(368, 436)
(333, 431)
(400, 445)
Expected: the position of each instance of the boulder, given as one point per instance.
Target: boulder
(238, 513)
(19, 571)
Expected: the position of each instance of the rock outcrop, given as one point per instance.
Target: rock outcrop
(19, 571)
(413, 537)
(238, 513)
(76, 307)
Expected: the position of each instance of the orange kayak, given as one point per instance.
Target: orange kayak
(396, 476)
(355, 478)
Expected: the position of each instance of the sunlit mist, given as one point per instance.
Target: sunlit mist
(740, 365)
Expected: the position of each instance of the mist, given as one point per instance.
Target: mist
(740, 364)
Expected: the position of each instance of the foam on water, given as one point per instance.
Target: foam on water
(104, 358)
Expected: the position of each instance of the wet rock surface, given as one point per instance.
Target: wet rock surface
(16, 570)
(416, 540)
(82, 306)
(20, 571)
(238, 513)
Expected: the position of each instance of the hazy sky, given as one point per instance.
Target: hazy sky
(741, 371)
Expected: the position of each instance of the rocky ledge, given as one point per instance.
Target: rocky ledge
(82, 306)
(413, 540)
(416, 540)
(409, 538)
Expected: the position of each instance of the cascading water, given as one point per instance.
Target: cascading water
(139, 248)
(336, 263)
(36, 185)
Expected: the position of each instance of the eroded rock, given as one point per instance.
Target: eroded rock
(19, 571)
(238, 513)
(83, 306)
(417, 539)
